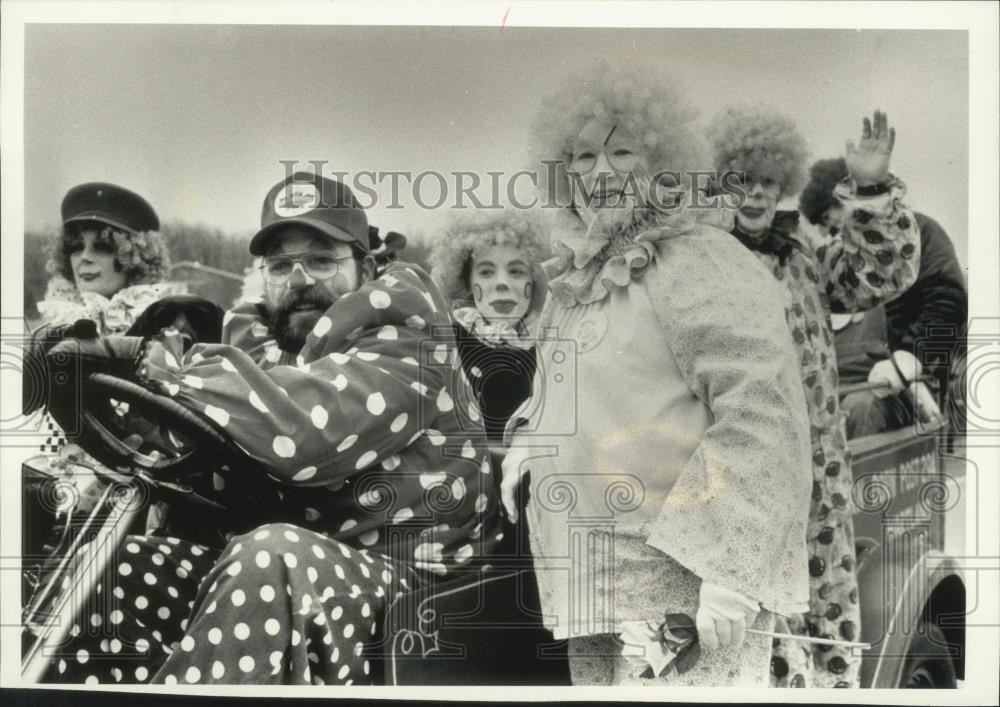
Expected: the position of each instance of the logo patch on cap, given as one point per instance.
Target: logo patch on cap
(295, 200)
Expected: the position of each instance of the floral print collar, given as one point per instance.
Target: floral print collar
(617, 247)
(495, 333)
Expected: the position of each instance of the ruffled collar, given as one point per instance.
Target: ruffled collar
(617, 248)
(495, 333)
(776, 240)
(64, 304)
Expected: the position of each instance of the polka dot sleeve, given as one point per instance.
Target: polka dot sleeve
(876, 257)
(369, 374)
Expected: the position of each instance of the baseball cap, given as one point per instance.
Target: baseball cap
(312, 200)
(111, 205)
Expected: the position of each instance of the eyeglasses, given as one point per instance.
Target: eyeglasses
(320, 265)
(620, 158)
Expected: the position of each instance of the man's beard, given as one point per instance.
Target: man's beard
(291, 335)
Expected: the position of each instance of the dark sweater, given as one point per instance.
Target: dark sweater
(500, 377)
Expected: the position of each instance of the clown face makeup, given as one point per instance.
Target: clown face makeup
(757, 212)
(93, 258)
(501, 283)
(607, 163)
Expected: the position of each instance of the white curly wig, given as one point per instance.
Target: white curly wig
(650, 107)
(467, 231)
(761, 143)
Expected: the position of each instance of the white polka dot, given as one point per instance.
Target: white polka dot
(419, 387)
(390, 463)
(343, 672)
(435, 437)
(173, 389)
(399, 423)
(257, 402)
(415, 321)
(366, 611)
(193, 382)
(409, 360)
(441, 354)
(284, 447)
(272, 627)
(187, 644)
(290, 560)
(149, 578)
(347, 442)
(311, 514)
(402, 515)
(367, 356)
(433, 478)
(218, 669)
(272, 354)
(267, 593)
(210, 609)
(92, 680)
(96, 620)
(234, 569)
(215, 636)
(246, 664)
(340, 382)
(142, 645)
(319, 416)
(458, 489)
(468, 451)
(473, 412)
(82, 656)
(163, 612)
(366, 459)
(312, 574)
(238, 597)
(322, 326)
(241, 631)
(119, 593)
(376, 404)
(444, 401)
(296, 638)
(380, 299)
(388, 333)
(227, 365)
(132, 547)
(220, 416)
(481, 502)
(304, 474)
(369, 538)
(124, 569)
(141, 602)
(348, 524)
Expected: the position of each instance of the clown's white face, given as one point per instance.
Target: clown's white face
(609, 161)
(757, 213)
(501, 283)
(95, 264)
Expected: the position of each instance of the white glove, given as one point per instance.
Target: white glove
(514, 467)
(885, 372)
(723, 616)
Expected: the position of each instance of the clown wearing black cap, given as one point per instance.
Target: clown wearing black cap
(345, 386)
(107, 261)
(872, 259)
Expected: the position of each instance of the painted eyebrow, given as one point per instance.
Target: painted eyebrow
(518, 262)
(481, 263)
(609, 135)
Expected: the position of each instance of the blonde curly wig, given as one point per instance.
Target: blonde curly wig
(451, 254)
(142, 256)
(651, 108)
(761, 143)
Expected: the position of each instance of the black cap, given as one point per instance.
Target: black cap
(110, 204)
(311, 200)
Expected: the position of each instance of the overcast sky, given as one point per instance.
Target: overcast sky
(196, 118)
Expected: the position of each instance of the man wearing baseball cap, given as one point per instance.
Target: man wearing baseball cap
(344, 386)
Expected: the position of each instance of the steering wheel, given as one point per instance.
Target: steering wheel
(205, 446)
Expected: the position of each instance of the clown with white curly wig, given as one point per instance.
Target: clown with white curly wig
(871, 259)
(488, 265)
(108, 261)
(666, 428)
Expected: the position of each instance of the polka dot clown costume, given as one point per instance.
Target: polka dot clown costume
(873, 259)
(377, 484)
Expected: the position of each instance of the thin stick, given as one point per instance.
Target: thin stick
(810, 639)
